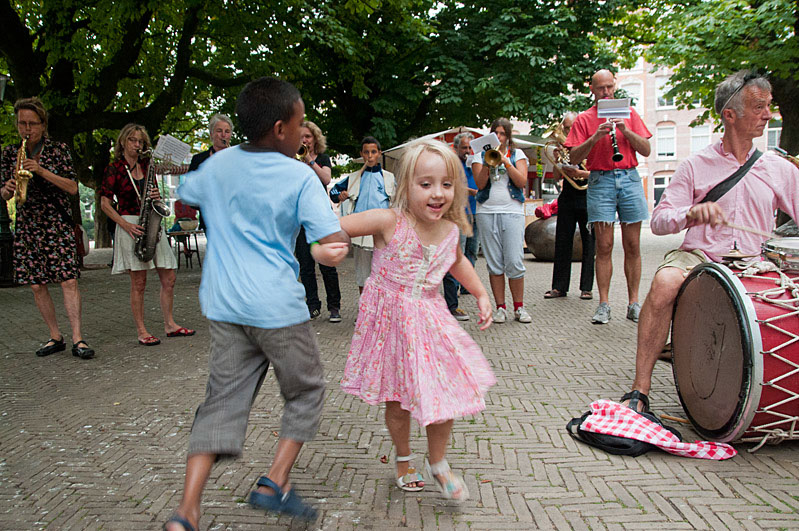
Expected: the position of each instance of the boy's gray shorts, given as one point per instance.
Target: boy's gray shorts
(240, 356)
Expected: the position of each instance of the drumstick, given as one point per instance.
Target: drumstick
(750, 229)
(675, 419)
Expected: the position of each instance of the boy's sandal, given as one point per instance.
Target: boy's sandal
(403, 482)
(280, 502)
(177, 519)
(586, 295)
(453, 484)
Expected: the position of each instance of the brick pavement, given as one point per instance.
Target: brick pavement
(101, 444)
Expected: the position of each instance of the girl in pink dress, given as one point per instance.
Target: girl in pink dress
(408, 350)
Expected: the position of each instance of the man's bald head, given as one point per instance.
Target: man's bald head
(603, 84)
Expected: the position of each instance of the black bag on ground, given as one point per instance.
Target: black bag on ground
(611, 443)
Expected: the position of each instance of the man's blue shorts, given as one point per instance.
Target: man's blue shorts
(615, 191)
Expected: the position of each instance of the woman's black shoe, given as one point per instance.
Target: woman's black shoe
(85, 352)
(58, 345)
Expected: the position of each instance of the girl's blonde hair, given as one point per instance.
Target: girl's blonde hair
(407, 167)
(119, 146)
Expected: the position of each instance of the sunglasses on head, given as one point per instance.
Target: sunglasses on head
(750, 76)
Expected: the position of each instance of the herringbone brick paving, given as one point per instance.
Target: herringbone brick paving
(101, 444)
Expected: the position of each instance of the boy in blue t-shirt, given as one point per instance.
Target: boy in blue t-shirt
(250, 294)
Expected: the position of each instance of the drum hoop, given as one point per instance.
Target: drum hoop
(751, 385)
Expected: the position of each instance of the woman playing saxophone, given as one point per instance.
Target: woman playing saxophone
(44, 246)
(125, 180)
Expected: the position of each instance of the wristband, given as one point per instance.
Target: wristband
(312, 244)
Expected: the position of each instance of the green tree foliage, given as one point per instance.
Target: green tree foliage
(409, 68)
(704, 41)
(392, 68)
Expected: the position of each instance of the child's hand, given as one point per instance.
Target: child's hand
(329, 254)
(486, 313)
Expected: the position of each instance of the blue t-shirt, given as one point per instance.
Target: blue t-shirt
(472, 184)
(254, 201)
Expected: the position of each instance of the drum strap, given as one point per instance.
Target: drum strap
(726, 185)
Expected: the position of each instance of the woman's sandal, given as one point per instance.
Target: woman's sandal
(454, 482)
(412, 476)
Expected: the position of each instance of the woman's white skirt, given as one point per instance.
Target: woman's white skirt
(125, 260)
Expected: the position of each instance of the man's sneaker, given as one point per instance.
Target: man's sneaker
(500, 315)
(315, 313)
(633, 311)
(459, 314)
(522, 316)
(335, 316)
(602, 314)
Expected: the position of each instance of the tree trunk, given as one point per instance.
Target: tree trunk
(786, 96)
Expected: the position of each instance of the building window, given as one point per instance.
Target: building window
(661, 181)
(666, 140)
(662, 86)
(634, 91)
(774, 133)
(700, 137)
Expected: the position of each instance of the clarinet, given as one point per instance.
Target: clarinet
(617, 156)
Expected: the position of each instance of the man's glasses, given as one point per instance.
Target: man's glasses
(29, 124)
(750, 76)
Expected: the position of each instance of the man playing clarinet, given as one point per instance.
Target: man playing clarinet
(614, 187)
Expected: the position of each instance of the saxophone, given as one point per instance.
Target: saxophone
(557, 155)
(150, 215)
(21, 175)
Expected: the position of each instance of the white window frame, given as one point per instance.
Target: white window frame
(695, 134)
(661, 87)
(769, 131)
(639, 96)
(661, 132)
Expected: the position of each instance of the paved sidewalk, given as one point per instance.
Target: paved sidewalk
(101, 444)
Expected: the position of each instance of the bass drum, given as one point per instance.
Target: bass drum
(736, 355)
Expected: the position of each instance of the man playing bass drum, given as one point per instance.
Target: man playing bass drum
(743, 101)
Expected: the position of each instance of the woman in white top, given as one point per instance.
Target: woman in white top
(500, 220)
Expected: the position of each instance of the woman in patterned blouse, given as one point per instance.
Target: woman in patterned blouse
(45, 251)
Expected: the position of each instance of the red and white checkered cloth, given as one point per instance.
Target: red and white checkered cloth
(612, 418)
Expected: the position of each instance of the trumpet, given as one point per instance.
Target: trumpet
(21, 175)
(302, 152)
(492, 158)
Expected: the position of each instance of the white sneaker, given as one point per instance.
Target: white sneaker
(522, 316)
(500, 315)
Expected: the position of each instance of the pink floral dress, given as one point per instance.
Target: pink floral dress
(407, 347)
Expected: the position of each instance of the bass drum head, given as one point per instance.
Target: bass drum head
(713, 349)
